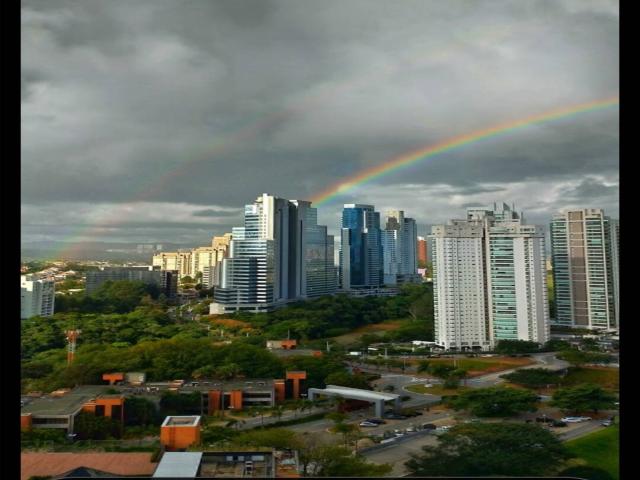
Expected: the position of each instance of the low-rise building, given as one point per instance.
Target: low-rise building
(180, 432)
(79, 464)
(59, 409)
(258, 462)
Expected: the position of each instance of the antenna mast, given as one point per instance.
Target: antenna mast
(72, 337)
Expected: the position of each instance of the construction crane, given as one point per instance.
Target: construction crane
(72, 336)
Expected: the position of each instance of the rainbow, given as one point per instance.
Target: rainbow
(424, 153)
(230, 140)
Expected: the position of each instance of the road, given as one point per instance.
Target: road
(398, 454)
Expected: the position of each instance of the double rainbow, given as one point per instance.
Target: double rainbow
(424, 153)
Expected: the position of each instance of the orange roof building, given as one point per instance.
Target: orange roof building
(116, 463)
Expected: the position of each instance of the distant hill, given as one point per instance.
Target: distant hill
(104, 251)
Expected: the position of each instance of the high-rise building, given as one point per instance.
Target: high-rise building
(614, 236)
(459, 286)
(37, 296)
(176, 261)
(489, 280)
(585, 268)
(517, 282)
(166, 280)
(422, 251)
(280, 255)
(399, 249)
(361, 255)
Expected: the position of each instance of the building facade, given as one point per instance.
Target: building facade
(422, 251)
(459, 287)
(517, 283)
(361, 254)
(489, 280)
(584, 246)
(37, 296)
(399, 249)
(280, 255)
(175, 261)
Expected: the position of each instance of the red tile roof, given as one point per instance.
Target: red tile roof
(116, 463)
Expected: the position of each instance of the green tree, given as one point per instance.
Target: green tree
(335, 461)
(579, 358)
(91, 427)
(511, 347)
(346, 379)
(495, 401)
(441, 370)
(556, 345)
(423, 366)
(533, 377)
(491, 449)
(278, 438)
(140, 411)
(583, 398)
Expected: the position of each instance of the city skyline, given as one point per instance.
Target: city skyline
(307, 102)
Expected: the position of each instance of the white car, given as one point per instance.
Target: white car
(368, 424)
(575, 419)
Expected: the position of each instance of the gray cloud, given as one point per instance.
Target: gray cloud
(128, 104)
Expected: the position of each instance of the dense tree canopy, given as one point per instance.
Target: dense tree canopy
(533, 377)
(491, 449)
(578, 358)
(495, 401)
(335, 315)
(510, 347)
(583, 398)
(110, 297)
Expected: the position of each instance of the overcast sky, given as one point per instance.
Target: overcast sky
(152, 121)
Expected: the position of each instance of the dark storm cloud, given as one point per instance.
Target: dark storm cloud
(212, 103)
(215, 213)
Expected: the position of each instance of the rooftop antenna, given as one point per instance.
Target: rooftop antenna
(72, 337)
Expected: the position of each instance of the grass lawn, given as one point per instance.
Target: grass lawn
(608, 378)
(373, 329)
(599, 449)
(482, 366)
(437, 390)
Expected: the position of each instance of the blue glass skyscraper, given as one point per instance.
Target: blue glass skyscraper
(361, 248)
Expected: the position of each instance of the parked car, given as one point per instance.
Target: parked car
(558, 424)
(377, 421)
(428, 426)
(607, 423)
(368, 424)
(575, 419)
(411, 428)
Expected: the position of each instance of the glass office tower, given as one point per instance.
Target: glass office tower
(361, 255)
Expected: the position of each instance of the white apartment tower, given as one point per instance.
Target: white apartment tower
(489, 276)
(37, 296)
(459, 286)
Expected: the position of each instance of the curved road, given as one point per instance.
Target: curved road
(399, 381)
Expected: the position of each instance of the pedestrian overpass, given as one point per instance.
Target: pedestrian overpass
(377, 398)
